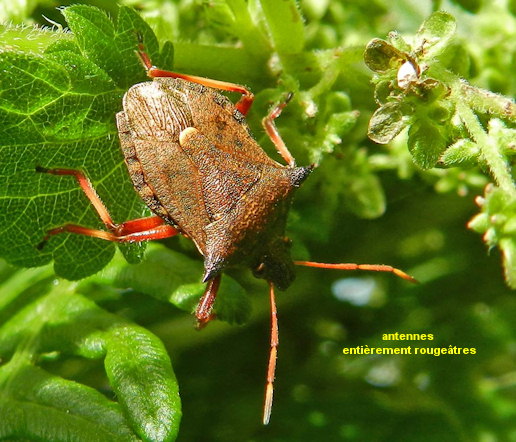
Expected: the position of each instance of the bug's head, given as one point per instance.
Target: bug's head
(276, 264)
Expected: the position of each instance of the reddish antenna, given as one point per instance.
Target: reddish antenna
(271, 368)
(353, 266)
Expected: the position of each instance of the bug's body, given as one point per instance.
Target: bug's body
(195, 164)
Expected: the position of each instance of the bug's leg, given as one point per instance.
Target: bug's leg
(204, 309)
(142, 229)
(271, 368)
(242, 105)
(88, 190)
(139, 233)
(272, 131)
(353, 266)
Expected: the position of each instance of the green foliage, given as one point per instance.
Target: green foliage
(497, 222)
(60, 108)
(429, 101)
(36, 404)
(415, 88)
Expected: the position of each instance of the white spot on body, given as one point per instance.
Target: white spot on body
(185, 134)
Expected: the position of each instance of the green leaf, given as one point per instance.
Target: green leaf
(508, 248)
(58, 110)
(23, 38)
(129, 24)
(140, 373)
(381, 56)
(235, 18)
(504, 136)
(172, 277)
(387, 122)
(28, 421)
(365, 196)
(479, 223)
(232, 304)
(93, 31)
(337, 119)
(58, 409)
(464, 152)
(497, 222)
(113, 49)
(435, 33)
(56, 122)
(396, 40)
(136, 362)
(425, 143)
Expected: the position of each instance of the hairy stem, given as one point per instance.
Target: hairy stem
(488, 102)
(490, 151)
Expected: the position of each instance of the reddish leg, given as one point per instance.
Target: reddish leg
(271, 369)
(243, 104)
(352, 266)
(272, 132)
(203, 313)
(136, 230)
(159, 232)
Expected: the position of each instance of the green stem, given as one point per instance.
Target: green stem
(248, 32)
(488, 102)
(490, 151)
(286, 29)
(480, 100)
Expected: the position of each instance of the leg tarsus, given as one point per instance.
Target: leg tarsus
(272, 131)
(41, 169)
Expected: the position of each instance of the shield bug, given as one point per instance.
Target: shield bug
(195, 164)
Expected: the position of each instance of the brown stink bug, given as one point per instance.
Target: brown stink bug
(195, 164)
